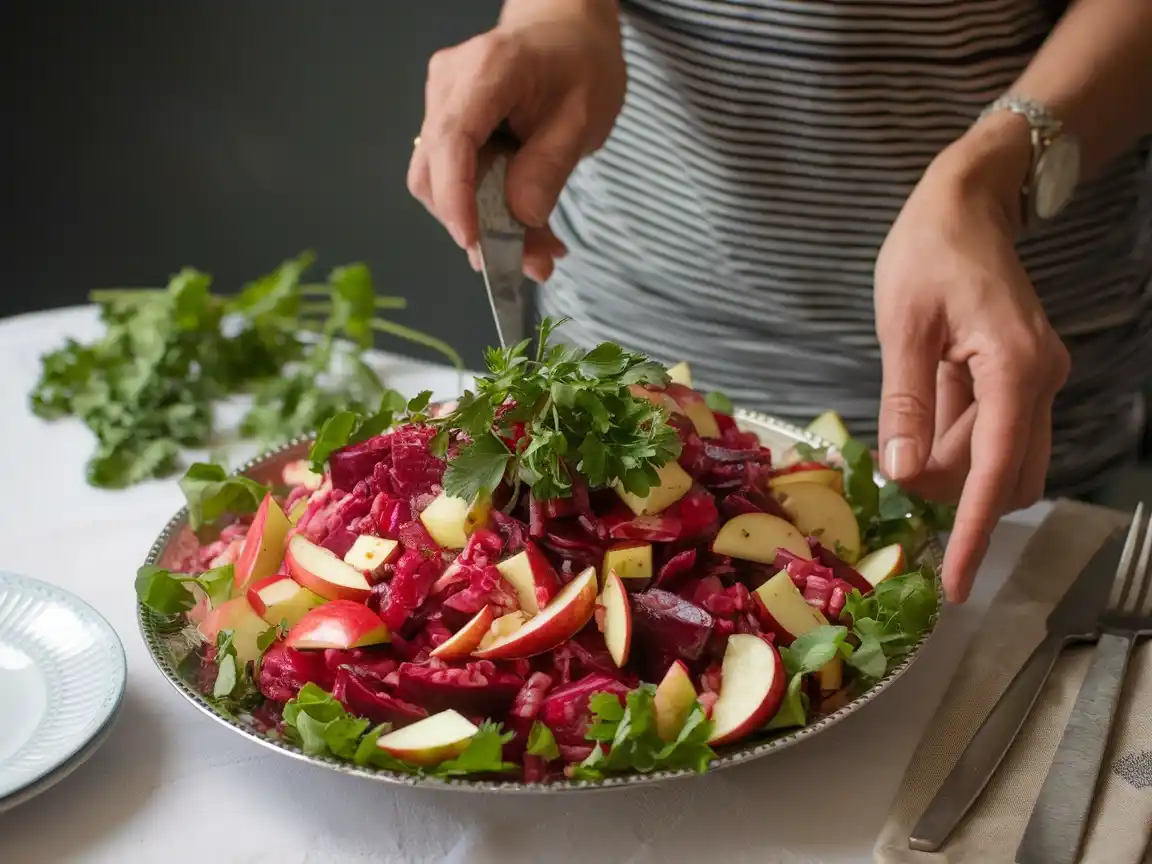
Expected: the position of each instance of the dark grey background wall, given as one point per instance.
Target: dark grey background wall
(139, 137)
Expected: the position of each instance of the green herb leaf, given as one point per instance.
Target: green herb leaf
(479, 467)
(868, 659)
(814, 650)
(482, 756)
(163, 591)
(542, 743)
(225, 676)
(217, 584)
(890, 621)
(793, 710)
(211, 494)
(860, 487)
(321, 725)
(719, 403)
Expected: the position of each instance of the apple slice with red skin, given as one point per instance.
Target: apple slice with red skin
(280, 598)
(674, 698)
(300, 473)
(752, 684)
(693, 404)
(467, 639)
(341, 624)
(882, 564)
(321, 572)
(503, 626)
(819, 512)
(617, 618)
(263, 549)
(757, 536)
(784, 611)
(533, 577)
(659, 398)
(561, 619)
(432, 740)
(238, 616)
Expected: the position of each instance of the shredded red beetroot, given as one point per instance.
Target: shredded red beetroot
(675, 568)
(565, 710)
(375, 704)
(476, 687)
(351, 464)
(284, 670)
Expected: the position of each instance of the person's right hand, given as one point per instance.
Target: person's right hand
(556, 74)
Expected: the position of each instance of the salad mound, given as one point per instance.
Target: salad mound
(584, 568)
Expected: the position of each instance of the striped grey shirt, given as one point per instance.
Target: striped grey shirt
(765, 147)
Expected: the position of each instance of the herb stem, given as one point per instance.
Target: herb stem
(399, 330)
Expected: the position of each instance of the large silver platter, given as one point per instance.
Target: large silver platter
(167, 644)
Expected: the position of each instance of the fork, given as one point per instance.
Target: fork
(1055, 831)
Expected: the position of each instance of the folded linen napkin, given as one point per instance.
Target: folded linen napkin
(1121, 824)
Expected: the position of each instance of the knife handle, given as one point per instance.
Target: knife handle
(985, 751)
(1056, 827)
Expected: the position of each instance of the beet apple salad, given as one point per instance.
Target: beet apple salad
(583, 568)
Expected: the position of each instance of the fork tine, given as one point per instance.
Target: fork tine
(1141, 600)
(1120, 584)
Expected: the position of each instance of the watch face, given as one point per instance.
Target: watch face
(1057, 174)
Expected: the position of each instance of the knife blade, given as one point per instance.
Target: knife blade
(1073, 619)
(501, 241)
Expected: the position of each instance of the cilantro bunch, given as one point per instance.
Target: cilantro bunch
(572, 409)
(147, 388)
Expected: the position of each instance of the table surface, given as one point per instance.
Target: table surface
(820, 802)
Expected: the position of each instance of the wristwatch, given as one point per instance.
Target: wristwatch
(1055, 169)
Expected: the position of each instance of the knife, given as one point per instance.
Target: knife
(501, 241)
(1072, 620)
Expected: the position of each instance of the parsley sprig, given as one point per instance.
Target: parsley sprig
(576, 412)
(147, 388)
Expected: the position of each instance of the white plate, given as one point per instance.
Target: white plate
(62, 677)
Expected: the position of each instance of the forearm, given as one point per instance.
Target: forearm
(1095, 73)
(519, 11)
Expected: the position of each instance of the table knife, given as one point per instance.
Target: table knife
(501, 242)
(1072, 620)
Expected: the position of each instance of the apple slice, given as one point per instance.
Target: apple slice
(430, 741)
(561, 619)
(467, 639)
(263, 550)
(323, 573)
(299, 473)
(340, 624)
(450, 520)
(831, 675)
(659, 398)
(369, 554)
(279, 598)
(503, 626)
(632, 562)
(530, 573)
(674, 485)
(681, 374)
(829, 477)
(881, 564)
(697, 409)
(246, 626)
(783, 609)
(617, 618)
(821, 513)
(673, 700)
(752, 682)
(830, 427)
(757, 536)
(297, 510)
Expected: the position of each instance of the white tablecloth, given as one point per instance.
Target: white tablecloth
(172, 786)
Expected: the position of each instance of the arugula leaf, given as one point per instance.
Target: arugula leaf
(162, 591)
(321, 726)
(233, 690)
(793, 710)
(868, 659)
(217, 584)
(482, 755)
(814, 650)
(891, 619)
(860, 488)
(719, 403)
(271, 636)
(630, 731)
(212, 494)
(542, 743)
(575, 410)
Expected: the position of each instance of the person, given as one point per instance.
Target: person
(809, 202)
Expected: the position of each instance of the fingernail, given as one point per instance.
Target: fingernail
(901, 458)
(474, 258)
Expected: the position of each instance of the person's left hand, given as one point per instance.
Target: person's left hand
(971, 365)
